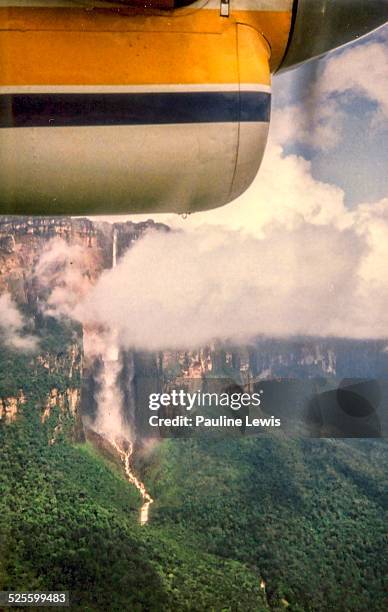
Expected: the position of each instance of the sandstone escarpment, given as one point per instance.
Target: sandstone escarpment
(10, 406)
(50, 378)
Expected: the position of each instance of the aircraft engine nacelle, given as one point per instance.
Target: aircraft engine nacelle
(148, 106)
(111, 113)
(322, 25)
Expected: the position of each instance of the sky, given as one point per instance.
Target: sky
(329, 131)
(347, 93)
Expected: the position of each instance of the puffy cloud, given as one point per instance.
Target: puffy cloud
(360, 70)
(63, 270)
(182, 290)
(311, 122)
(12, 326)
(317, 119)
(284, 192)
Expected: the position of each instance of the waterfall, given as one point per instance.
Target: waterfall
(114, 248)
(110, 421)
(125, 456)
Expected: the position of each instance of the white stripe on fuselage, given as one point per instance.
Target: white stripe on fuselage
(85, 89)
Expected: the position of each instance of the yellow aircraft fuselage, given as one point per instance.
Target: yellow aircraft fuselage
(110, 108)
(115, 109)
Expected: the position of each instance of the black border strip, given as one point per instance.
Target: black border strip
(104, 109)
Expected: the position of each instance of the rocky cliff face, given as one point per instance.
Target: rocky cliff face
(22, 240)
(47, 381)
(303, 358)
(51, 378)
(54, 374)
(10, 406)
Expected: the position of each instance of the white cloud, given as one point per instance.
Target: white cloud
(360, 70)
(12, 325)
(284, 191)
(200, 286)
(64, 270)
(313, 122)
(288, 257)
(184, 289)
(318, 118)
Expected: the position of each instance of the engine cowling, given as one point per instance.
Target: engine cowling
(322, 25)
(179, 132)
(144, 109)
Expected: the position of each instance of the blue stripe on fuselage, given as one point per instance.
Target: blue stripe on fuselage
(103, 109)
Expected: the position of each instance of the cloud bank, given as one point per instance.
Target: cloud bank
(184, 289)
(290, 259)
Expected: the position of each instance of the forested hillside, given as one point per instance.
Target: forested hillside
(310, 515)
(69, 521)
(68, 516)
(306, 518)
